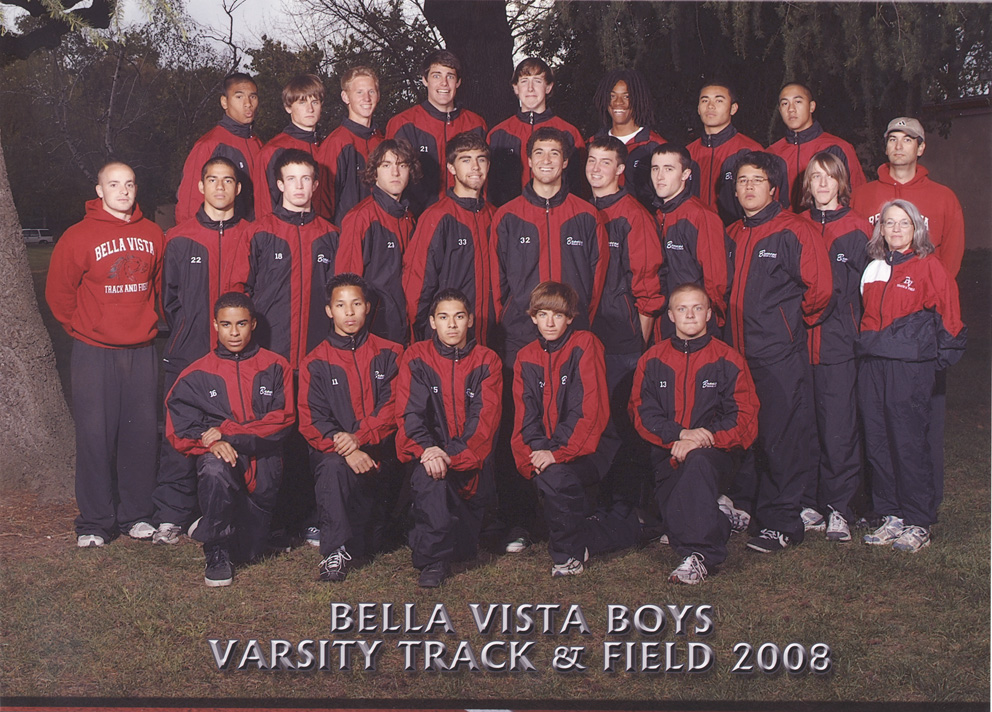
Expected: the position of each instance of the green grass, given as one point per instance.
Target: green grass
(132, 621)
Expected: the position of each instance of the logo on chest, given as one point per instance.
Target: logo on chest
(767, 254)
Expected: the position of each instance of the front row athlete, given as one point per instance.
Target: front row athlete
(693, 400)
(448, 407)
(231, 410)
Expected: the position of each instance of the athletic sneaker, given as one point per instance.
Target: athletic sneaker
(89, 541)
(739, 519)
(912, 539)
(519, 543)
(334, 567)
(572, 567)
(813, 520)
(167, 533)
(141, 530)
(886, 534)
(219, 571)
(769, 541)
(837, 527)
(312, 536)
(432, 575)
(691, 571)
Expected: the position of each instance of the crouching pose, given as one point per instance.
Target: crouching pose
(562, 436)
(694, 401)
(449, 392)
(231, 409)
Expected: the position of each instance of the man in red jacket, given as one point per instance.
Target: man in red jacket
(428, 126)
(103, 282)
(232, 138)
(448, 408)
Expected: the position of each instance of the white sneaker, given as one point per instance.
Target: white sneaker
(141, 530)
(912, 539)
(739, 519)
(837, 527)
(572, 567)
(89, 541)
(691, 571)
(312, 536)
(887, 534)
(519, 545)
(813, 521)
(167, 533)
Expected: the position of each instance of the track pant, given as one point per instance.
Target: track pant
(114, 393)
(446, 525)
(895, 404)
(175, 489)
(836, 406)
(628, 473)
(233, 516)
(687, 501)
(786, 452)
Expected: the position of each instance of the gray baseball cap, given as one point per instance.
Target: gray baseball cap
(908, 125)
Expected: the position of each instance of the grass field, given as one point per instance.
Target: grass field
(132, 621)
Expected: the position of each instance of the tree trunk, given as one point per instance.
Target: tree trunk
(37, 437)
(479, 34)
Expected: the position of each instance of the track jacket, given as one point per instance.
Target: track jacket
(561, 402)
(374, 237)
(509, 170)
(912, 312)
(635, 276)
(449, 248)
(697, 249)
(937, 203)
(428, 131)
(637, 175)
(714, 160)
(796, 148)
(228, 139)
(845, 234)
(267, 193)
(347, 385)
(103, 279)
(696, 383)
(782, 282)
(449, 398)
(291, 257)
(344, 155)
(204, 258)
(562, 238)
(248, 396)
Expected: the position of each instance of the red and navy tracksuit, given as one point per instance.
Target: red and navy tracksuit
(687, 384)
(347, 385)
(228, 139)
(374, 237)
(267, 194)
(509, 169)
(248, 396)
(796, 149)
(714, 162)
(428, 130)
(291, 256)
(911, 327)
(204, 258)
(637, 174)
(782, 283)
(103, 282)
(535, 239)
(562, 405)
(831, 347)
(448, 398)
(449, 248)
(344, 155)
(698, 251)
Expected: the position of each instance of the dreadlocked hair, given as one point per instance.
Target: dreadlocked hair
(640, 96)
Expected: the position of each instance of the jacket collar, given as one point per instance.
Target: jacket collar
(608, 200)
(246, 353)
(445, 116)
(691, 346)
(535, 117)
(238, 129)
(302, 134)
(804, 136)
(556, 200)
(364, 132)
(350, 342)
(667, 206)
(450, 352)
(473, 205)
(396, 208)
(826, 216)
(897, 258)
(764, 215)
(216, 225)
(885, 177)
(557, 344)
(294, 217)
(719, 138)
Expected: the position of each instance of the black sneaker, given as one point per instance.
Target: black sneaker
(219, 571)
(769, 541)
(432, 575)
(334, 567)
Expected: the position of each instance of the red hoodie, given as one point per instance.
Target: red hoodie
(937, 203)
(103, 279)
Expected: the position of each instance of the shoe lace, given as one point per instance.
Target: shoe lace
(336, 559)
(769, 534)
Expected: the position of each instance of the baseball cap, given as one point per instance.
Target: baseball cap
(909, 126)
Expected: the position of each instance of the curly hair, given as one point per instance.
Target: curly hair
(640, 96)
